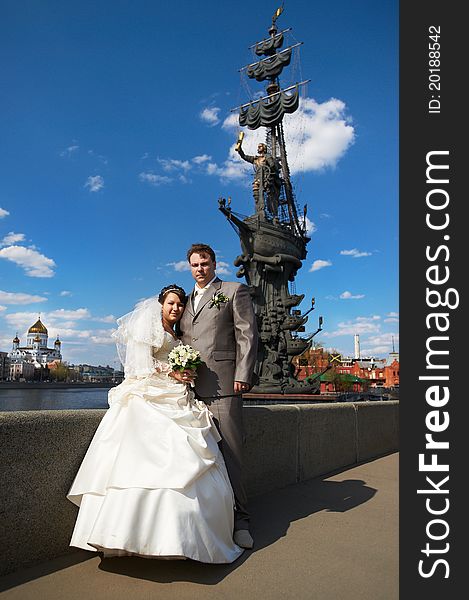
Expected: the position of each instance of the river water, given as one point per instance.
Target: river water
(52, 399)
(75, 398)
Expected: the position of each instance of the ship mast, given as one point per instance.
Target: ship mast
(269, 111)
(273, 239)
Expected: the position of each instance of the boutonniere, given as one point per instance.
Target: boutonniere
(218, 299)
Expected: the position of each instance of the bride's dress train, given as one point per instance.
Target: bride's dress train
(153, 482)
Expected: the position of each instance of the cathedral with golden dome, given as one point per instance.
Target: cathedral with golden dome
(35, 351)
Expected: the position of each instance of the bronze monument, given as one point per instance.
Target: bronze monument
(273, 239)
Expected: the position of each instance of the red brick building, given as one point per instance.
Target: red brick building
(351, 373)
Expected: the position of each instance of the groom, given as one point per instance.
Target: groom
(219, 321)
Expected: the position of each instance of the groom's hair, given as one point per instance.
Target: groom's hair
(201, 249)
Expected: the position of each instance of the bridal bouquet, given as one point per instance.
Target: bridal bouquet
(184, 357)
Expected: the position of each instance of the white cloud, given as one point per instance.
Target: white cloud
(178, 168)
(182, 265)
(2, 308)
(65, 293)
(153, 179)
(174, 164)
(361, 325)
(355, 253)
(380, 344)
(198, 160)
(12, 238)
(317, 136)
(210, 116)
(393, 314)
(310, 227)
(107, 319)
(391, 320)
(19, 298)
(34, 263)
(70, 333)
(320, 264)
(368, 319)
(100, 157)
(70, 150)
(101, 339)
(94, 183)
(61, 313)
(103, 336)
(349, 296)
(223, 268)
(3, 213)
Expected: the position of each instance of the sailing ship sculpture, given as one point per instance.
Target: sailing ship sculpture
(273, 240)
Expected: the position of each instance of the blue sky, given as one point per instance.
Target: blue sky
(117, 141)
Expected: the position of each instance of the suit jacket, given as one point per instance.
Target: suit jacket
(226, 338)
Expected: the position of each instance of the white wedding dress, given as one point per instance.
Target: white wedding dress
(153, 482)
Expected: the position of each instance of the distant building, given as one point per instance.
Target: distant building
(22, 371)
(99, 374)
(35, 351)
(4, 366)
(356, 373)
(312, 361)
(376, 372)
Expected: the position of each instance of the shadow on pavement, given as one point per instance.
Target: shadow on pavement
(42, 569)
(272, 514)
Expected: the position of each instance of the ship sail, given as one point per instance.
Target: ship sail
(270, 113)
(268, 47)
(271, 67)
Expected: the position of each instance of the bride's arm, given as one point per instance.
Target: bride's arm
(186, 376)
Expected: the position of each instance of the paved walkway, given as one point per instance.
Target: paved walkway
(332, 538)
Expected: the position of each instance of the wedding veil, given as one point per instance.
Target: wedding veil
(139, 333)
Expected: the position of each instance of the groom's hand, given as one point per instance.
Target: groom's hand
(241, 386)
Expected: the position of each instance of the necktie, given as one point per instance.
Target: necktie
(198, 297)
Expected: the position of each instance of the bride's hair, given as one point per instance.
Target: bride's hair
(175, 289)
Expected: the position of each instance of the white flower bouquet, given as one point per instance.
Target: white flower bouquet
(184, 357)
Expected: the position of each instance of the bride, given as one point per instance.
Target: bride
(153, 482)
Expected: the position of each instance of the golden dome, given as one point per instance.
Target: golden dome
(16, 340)
(38, 327)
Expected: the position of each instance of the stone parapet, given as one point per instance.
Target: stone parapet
(41, 451)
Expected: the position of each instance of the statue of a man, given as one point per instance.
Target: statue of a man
(266, 179)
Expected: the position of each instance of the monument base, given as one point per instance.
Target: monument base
(251, 399)
(286, 387)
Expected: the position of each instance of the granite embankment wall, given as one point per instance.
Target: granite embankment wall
(41, 451)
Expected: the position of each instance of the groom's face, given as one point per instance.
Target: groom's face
(203, 268)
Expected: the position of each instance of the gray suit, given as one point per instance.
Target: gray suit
(226, 338)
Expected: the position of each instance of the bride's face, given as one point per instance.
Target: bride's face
(173, 307)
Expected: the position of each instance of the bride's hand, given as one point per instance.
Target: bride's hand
(186, 376)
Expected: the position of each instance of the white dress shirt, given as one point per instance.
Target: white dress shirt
(199, 292)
